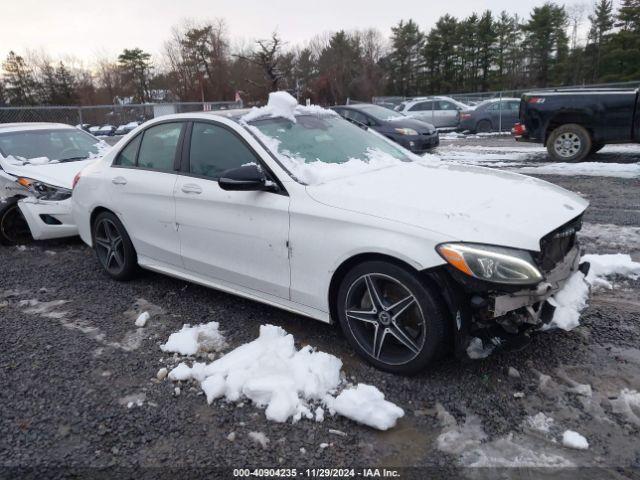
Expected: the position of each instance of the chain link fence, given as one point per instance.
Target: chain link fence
(501, 115)
(100, 115)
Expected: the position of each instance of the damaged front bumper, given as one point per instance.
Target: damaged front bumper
(48, 219)
(488, 320)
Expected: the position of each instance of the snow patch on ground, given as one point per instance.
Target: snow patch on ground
(540, 422)
(141, 321)
(597, 169)
(573, 297)
(613, 237)
(628, 404)
(573, 439)
(191, 340)
(287, 382)
(470, 443)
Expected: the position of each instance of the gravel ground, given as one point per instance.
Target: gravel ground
(69, 369)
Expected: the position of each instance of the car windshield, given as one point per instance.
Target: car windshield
(380, 113)
(61, 145)
(318, 145)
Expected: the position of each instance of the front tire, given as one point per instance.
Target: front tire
(569, 143)
(113, 247)
(14, 229)
(391, 318)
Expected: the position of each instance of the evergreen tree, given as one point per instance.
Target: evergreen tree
(547, 43)
(20, 85)
(601, 23)
(136, 66)
(487, 37)
(65, 86)
(404, 61)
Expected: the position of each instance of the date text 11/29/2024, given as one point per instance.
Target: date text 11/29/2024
(315, 473)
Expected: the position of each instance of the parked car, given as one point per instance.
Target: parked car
(84, 126)
(93, 130)
(37, 164)
(574, 124)
(105, 131)
(438, 111)
(491, 115)
(298, 208)
(124, 129)
(412, 134)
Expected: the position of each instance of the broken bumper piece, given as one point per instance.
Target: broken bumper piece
(504, 321)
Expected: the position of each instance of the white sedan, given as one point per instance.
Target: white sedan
(38, 162)
(297, 208)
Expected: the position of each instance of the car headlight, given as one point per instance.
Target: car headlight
(406, 131)
(44, 191)
(491, 263)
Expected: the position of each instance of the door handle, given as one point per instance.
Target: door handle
(192, 188)
(119, 181)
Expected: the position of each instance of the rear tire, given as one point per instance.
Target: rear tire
(569, 143)
(113, 247)
(14, 229)
(400, 327)
(484, 126)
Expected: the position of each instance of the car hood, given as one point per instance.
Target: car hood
(57, 174)
(406, 122)
(461, 203)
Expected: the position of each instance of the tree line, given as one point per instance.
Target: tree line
(482, 52)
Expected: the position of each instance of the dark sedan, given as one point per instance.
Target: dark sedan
(412, 134)
(491, 116)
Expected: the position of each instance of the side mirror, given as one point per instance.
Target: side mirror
(246, 178)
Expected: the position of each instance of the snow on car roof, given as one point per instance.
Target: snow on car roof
(26, 126)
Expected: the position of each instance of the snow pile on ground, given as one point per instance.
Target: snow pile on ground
(572, 298)
(142, 319)
(191, 340)
(597, 169)
(287, 382)
(613, 264)
(610, 237)
(366, 404)
(573, 439)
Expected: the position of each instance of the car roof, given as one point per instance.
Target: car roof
(26, 126)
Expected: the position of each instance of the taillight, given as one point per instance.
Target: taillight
(536, 100)
(76, 179)
(464, 116)
(518, 129)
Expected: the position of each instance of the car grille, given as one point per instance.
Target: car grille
(555, 245)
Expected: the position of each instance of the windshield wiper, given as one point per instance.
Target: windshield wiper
(71, 159)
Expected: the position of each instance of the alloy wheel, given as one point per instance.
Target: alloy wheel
(385, 318)
(109, 246)
(567, 144)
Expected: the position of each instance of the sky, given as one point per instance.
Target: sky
(88, 29)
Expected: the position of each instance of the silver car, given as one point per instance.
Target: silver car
(438, 111)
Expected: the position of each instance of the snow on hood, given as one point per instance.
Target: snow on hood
(43, 169)
(465, 203)
(57, 174)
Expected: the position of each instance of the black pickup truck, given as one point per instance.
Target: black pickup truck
(573, 124)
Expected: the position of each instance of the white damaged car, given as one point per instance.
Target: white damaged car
(295, 207)
(38, 162)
